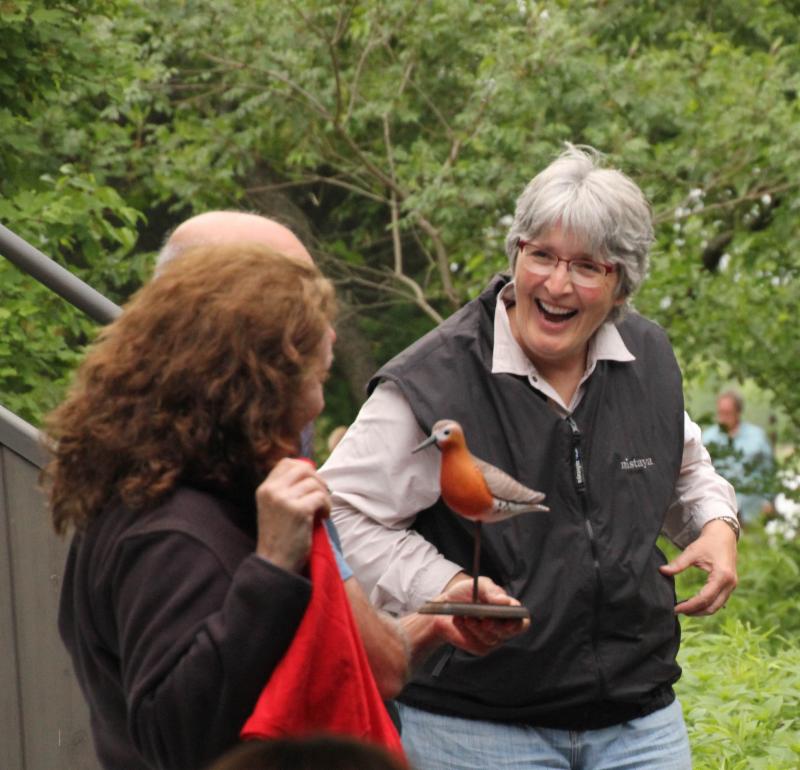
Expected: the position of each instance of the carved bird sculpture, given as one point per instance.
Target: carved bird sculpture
(476, 489)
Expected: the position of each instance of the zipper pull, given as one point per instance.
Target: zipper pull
(442, 662)
(577, 456)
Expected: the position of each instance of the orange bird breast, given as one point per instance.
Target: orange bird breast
(464, 488)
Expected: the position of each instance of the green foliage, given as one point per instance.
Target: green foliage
(55, 75)
(36, 357)
(741, 698)
(396, 137)
(740, 688)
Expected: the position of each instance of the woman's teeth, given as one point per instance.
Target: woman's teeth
(553, 312)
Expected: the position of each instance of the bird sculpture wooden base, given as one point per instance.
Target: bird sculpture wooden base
(476, 490)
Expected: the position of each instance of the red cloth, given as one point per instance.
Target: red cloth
(324, 682)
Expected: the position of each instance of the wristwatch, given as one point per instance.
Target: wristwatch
(732, 523)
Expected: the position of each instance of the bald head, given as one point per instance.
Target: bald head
(232, 227)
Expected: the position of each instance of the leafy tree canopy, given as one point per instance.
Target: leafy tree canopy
(395, 137)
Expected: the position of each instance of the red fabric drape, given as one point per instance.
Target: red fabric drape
(324, 682)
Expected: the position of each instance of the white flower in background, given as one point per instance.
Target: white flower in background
(696, 199)
(787, 523)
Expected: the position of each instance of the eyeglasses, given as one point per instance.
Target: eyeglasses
(582, 272)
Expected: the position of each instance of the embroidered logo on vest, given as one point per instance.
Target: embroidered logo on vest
(636, 463)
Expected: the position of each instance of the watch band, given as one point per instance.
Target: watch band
(732, 523)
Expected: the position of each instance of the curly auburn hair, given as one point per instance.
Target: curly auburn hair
(198, 381)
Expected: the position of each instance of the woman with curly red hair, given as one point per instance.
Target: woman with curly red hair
(171, 461)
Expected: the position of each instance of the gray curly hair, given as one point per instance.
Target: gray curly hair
(602, 206)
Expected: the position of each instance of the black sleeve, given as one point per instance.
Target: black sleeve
(196, 644)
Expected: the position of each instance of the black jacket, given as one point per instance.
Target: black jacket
(174, 626)
(603, 638)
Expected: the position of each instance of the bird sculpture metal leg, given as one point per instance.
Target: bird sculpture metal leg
(476, 561)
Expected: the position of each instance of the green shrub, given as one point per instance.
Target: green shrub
(740, 688)
(741, 697)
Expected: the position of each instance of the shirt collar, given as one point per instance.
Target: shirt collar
(509, 358)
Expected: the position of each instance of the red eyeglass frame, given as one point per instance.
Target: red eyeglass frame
(609, 268)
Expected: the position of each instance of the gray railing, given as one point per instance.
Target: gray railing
(55, 277)
(15, 433)
(44, 723)
(21, 437)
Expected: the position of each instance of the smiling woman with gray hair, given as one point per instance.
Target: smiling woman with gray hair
(604, 205)
(558, 383)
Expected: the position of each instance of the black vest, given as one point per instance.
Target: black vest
(603, 638)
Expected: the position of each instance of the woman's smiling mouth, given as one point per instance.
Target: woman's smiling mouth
(553, 313)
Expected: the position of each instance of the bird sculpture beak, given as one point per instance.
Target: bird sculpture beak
(428, 441)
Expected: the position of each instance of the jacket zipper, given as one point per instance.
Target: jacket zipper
(579, 476)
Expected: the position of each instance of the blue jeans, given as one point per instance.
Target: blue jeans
(434, 742)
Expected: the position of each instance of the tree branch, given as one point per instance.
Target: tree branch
(441, 258)
(314, 178)
(750, 196)
(417, 295)
(397, 246)
(320, 109)
(330, 44)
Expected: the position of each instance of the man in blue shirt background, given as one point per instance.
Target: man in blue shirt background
(742, 454)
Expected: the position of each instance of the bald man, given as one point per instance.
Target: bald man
(237, 227)
(391, 646)
(231, 227)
